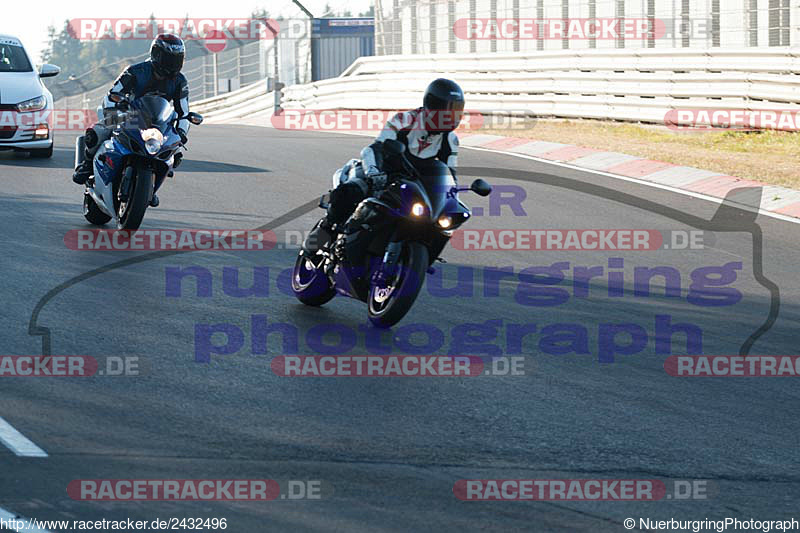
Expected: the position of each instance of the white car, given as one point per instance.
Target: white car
(25, 103)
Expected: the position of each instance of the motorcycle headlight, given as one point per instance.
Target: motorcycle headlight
(445, 221)
(34, 104)
(152, 133)
(418, 209)
(153, 139)
(153, 146)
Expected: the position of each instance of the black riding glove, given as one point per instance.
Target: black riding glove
(377, 180)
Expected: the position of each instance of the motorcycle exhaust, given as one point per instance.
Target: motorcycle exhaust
(80, 150)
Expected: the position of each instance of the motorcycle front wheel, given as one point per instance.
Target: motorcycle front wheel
(131, 211)
(392, 299)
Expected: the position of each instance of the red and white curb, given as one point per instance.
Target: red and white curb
(768, 199)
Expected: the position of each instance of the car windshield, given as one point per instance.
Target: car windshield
(13, 59)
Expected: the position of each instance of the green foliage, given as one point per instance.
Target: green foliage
(91, 62)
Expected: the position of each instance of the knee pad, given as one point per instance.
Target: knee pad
(344, 200)
(90, 138)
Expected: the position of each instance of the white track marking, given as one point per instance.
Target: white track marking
(17, 442)
(27, 527)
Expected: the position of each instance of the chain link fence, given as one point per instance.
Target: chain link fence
(239, 64)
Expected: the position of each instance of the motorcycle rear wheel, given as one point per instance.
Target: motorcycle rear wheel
(310, 283)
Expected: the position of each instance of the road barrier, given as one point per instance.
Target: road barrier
(640, 85)
(637, 85)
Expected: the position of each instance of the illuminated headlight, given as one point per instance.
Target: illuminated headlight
(152, 133)
(445, 221)
(153, 139)
(42, 132)
(418, 209)
(152, 146)
(34, 104)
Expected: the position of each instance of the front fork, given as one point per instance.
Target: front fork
(388, 266)
(125, 184)
(127, 180)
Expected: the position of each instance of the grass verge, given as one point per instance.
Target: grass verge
(771, 157)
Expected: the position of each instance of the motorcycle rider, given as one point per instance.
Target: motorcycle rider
(161, 75)
(427, 133)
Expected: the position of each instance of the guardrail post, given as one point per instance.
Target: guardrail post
(239, 65)
(215, 74)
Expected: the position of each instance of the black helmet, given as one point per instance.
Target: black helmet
(166, 54)
(444, 106)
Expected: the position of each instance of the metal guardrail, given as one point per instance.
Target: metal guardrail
(640, 85)
(244, 103)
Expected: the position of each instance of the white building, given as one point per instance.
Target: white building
(441, 26)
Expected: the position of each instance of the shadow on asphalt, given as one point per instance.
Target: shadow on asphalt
(190, 165)
(62, 158)
(65, 157)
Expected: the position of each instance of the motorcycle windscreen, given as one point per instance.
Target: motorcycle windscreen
(153, 112)
(437, 180)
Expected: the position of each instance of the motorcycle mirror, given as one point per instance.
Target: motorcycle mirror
(392, 147)
(195, 118)
(480, 187)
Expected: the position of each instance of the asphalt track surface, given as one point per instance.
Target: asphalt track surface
(388, 450)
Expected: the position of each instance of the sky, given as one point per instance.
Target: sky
(29, 22)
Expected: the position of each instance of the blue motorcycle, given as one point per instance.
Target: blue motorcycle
(129, 168)
(390, 241)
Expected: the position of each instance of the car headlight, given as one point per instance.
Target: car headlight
(153, 139)
(34, 104)
(418, 209)
(445, 221)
